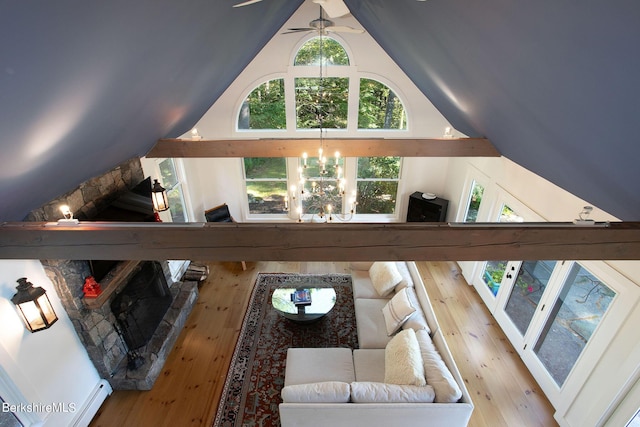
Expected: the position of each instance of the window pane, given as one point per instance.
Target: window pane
(493, 273)
(319, 194)
(475, 198)
(266, 197)
(168, 173)
(332, 52)
(582, 303)
(525, 295)
(377, 197)
(265, 167)
(176, 203)
(312, 170)
(378, 167)
(321, 100)
(380, 108)
(264, 108)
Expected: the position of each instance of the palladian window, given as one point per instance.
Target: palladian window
(332, 98)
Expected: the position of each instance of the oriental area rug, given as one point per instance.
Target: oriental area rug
(251, 392)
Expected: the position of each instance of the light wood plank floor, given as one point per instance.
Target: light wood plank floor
(189, 387)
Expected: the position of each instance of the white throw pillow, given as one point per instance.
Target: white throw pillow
(371, 392)
(403, 361)
(436, 371)
(384, 277)
(397, 310)
(323, 392)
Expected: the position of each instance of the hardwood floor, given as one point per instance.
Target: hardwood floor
(189, 387)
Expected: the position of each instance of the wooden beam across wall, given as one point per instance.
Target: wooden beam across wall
(360, 147)
(319, 242)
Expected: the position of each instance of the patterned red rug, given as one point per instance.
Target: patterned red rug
(251, 391)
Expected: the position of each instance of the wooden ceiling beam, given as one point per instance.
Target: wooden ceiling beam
(356, 147)
(319, 242)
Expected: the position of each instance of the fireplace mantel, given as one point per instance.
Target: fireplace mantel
(113, 282)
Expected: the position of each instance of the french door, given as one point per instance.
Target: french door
(551, 311)
(523, 288)
(492, 276)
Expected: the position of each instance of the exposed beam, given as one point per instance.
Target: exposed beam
(318, 242)
(360, 147)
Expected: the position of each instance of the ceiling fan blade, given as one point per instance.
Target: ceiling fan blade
(246, 3)
(298, 30)
(342, 29)
(333, 8)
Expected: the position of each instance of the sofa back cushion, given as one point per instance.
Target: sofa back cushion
(403, 361)
(437, 372)
(372, 392)
(322, 392)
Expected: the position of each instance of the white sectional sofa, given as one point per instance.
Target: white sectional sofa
(404, 377)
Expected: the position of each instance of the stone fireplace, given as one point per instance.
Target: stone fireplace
(136, 365)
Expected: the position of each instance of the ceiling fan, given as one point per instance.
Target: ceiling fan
(324, 26)
(333, 8)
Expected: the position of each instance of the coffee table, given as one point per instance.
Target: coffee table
(322, 301)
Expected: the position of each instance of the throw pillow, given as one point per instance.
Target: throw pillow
(397, 310)
(436, 371)
(384, 277)
(403, 361)
(371, 392)
(322, 392)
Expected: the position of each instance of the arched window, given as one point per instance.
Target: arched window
(264, 108)
(329, 93)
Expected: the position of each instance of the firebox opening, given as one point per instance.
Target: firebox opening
(142, 304)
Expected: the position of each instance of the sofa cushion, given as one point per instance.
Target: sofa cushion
(403, 361)
(436, 371)
(397, 310)
(372, 332)
(360, 265)
(322, 392)
(417, 320)
(369, 364)
(362, 285)
(384, 276)
(407, 280)
(314, 365)
(375, 392)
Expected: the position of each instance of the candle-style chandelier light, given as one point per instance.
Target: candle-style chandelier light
(320, 195)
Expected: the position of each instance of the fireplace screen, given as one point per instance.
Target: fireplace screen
(142, 304)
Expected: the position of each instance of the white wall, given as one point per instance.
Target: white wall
(49, 366)
(216, 181)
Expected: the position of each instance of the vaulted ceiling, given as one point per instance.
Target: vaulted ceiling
(85, 86)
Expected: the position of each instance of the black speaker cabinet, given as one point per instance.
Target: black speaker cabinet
(426, 210)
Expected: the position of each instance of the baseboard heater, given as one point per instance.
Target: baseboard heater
(91, 406)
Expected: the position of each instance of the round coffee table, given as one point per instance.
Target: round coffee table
(322, 301)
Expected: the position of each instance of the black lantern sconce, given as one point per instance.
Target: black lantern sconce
(34, 306)
(159, 196)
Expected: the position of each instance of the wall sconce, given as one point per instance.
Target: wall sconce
(583, 217)
(159, 197)
(34, 306)
(68, 216)
(195, 135)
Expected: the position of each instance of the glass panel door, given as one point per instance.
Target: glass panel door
(575, 314)
(489, 282)
(474, 201)
(523, 298)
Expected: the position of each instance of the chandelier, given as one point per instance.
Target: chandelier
(320, 193)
